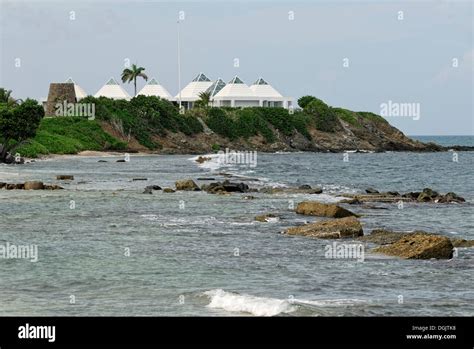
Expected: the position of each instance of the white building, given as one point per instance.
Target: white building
(80, 93)
(190, 93)
(112, 90)
(154, 88)
(260, 94)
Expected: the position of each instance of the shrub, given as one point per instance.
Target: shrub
(305, 100)
(324, 116)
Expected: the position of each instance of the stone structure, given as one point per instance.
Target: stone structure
(58, 93)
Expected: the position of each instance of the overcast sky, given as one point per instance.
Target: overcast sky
(412, 60)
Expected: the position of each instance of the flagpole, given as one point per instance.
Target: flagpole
(179, 68)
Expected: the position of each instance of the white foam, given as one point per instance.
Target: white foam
(242, 303)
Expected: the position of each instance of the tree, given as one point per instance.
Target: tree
(6, 97)
(18, 123)
(305, 100)
(131, 74)
(204, 99)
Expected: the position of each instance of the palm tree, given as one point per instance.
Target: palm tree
(131, 74)
(6, 97)
(204, 99)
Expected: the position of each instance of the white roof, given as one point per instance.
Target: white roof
(80, 93)
(235, 88)
(192, 90)
(262, 89)
(112, 90)
(154, 88)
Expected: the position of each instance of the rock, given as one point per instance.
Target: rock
(102, 161)
(34, 185)
(65, 177)
(315, 208)
(3, 185)
(412, 195)
(419, 245)
(187, 184)
(383, 237)
(347, 227)
(121, 160)
(305, 186)
(140, 179)
(52, 187)
(393, 193)
(371, 191)
(269, 217)
(13, 186)
(148, 190)
(168, 190)
(206, 179)
(462, 243)
(315, 191)
(451, 197)
(226, 186)
(202, 159)
(354, 201)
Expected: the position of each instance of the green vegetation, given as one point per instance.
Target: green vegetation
(131, 74)
(69, 135)
(18, 123)
(305, 100)
(144, 117)
(324, 117)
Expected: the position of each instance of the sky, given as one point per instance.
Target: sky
(358, 55)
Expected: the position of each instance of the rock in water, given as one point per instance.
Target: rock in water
(347, 227)
(371, 191)
(34, 185)
(305, 186)
(187, 184)
(168, 190)
(315, 208)
(269, 217)
(419, 246)
(65, 177)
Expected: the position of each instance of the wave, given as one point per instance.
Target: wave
(242, 303)
(263, 306)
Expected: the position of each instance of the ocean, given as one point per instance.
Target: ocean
(105, 248)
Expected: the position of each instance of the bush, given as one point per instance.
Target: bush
(305, 100)
(325, 118)
(219, 122)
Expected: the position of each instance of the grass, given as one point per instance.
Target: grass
(69, 135)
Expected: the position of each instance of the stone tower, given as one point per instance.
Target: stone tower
(58, 93)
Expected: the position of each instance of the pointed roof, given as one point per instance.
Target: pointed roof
(216, 86)
(236, 88)
(201, 77)
(113, 90)
(263, 89)
(154, 88)
(192, 90)
(80, 93)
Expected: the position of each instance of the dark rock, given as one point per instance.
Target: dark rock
(140, 179)
(3, 185)
(65, 177)
(102, 161)
(148, 190)
(451, 197)
(371, 191)
(206, 179)
(168, 190)
(393, 193)
(121, 160)
(305, 186)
